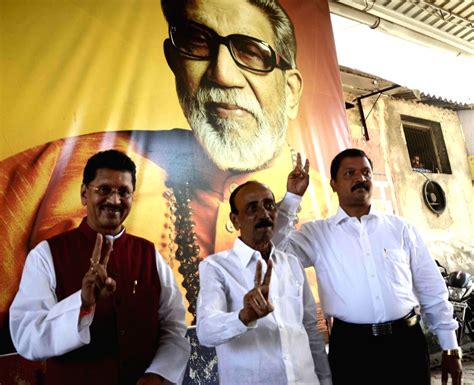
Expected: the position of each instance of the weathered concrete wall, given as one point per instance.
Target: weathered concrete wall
(450, 235)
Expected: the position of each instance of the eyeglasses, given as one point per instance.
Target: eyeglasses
(105, 191)
(199, 42)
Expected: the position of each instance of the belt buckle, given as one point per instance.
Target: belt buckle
(382, 329)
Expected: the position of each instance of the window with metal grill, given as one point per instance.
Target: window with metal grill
(425, 144)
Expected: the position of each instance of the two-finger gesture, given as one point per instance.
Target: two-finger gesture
(256, 302)
(298, 178)
(96, 284)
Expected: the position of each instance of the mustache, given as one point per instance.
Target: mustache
(264, 222)
(360, 185)
(206, 95)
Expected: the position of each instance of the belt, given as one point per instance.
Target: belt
(381, 329)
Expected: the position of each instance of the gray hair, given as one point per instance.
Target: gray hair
(282, 25)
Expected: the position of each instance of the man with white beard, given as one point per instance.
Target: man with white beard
(236, 77)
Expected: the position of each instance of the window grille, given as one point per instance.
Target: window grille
(425, 144)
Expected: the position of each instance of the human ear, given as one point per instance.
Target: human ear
(234, 220)
(170, 54)
(294, 89)
(83, 194)
(333, 185)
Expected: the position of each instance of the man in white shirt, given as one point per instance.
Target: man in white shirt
(264, 331)
(373, 271)
(101, 304)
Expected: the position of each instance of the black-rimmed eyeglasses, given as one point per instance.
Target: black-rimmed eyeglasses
(200, 42)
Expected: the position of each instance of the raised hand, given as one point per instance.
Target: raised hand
(256, 303)
(96, 284)
(298, 179)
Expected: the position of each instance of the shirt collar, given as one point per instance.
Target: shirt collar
(339, 217)
(245, 253)
(342, 216)
(92, 235)
(113, 238)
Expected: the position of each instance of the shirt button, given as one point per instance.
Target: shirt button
(233, 186)
(229, 227)
(122, 332)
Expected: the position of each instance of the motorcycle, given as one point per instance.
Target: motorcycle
(460, 286)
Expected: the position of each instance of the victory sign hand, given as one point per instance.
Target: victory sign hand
(256, 303)
(96, 284)
(298, 179)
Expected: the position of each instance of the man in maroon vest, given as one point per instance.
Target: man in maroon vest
(100, 304)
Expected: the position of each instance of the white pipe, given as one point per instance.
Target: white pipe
(376, 22)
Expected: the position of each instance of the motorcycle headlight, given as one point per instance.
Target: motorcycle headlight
(456, 293)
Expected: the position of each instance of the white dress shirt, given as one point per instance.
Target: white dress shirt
(369, 271)
(41, 327)
(282, 348)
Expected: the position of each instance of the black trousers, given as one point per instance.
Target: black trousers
(356, 357)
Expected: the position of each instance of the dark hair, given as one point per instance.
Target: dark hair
(233, 208)
(113, 159)
(348, 153)
(285, 39)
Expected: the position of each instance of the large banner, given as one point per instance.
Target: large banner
(77, 77)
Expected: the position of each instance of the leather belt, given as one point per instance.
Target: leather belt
(381, 329)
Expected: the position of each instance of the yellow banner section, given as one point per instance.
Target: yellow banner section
(74, 67)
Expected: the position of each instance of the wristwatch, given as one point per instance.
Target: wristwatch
(454, 352)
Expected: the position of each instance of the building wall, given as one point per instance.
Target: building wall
(466, 118)
(449, 235)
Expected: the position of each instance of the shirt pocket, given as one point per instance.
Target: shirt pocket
(396, 256)
(291, 301)
(397, 265)
(293, 288)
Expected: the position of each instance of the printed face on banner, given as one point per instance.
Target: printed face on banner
(230, 82)
(239, 115)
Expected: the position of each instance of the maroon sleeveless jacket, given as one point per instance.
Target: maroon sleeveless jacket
(124, 332)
